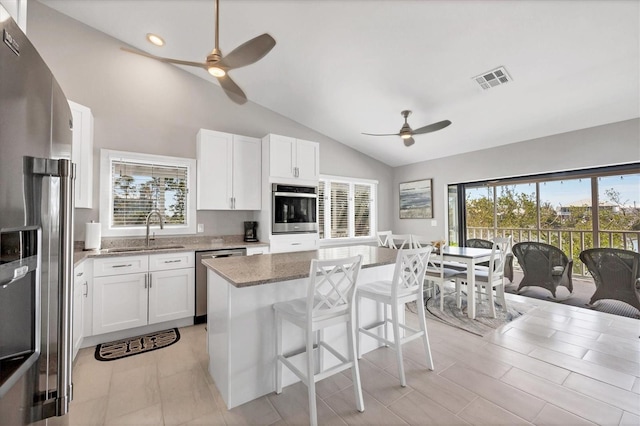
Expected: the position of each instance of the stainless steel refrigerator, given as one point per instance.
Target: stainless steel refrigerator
(36, 239)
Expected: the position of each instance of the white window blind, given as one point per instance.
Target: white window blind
(346, 207)
(362, 210)
(138, 188)
(339, 209)
(321, 205)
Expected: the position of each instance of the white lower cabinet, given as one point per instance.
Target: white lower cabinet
(171, 295)
(82, 306)
(164, 291)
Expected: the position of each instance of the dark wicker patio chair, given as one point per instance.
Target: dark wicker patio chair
(616, 274)
(508, 266)
(543, 266)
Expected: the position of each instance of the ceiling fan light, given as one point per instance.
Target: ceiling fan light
(405, 135)
(216, 72)
(155, 39)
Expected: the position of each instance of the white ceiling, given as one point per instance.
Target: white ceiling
(350, 66)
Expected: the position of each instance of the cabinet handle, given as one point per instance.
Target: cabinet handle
(296, 244)
(86, 286)
(79, 274)
(172, 261)
(122, 266)
(234, 203)
(145, 281)
(150, 281)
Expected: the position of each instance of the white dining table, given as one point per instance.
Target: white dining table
(471, 257)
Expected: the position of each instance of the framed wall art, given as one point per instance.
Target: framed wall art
(416, 200)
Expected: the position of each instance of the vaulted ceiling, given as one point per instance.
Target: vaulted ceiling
(350, 66)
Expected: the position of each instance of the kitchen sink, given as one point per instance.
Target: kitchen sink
(130, 249)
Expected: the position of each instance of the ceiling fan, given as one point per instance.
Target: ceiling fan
(407, 134)
(218, 65)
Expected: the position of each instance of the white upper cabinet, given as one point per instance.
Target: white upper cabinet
(293, 159)
(82, 154)
(229, 171)
(18, 11)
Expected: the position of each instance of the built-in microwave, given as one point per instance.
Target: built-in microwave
(294, 209)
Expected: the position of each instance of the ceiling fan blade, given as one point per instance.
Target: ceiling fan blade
(432, 127)
(166, 60)
(248, 53)
(409, 141)
(382, 134)
(232, 90)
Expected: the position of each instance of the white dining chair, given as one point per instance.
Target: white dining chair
(399, 241)
(330, 301)
(406, 286)
(438, 275)
(489, 279)
(383, 238)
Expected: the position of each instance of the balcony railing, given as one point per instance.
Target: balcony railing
(571, 241)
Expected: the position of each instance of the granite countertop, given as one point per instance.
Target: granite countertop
(268, 268)
(192, 244)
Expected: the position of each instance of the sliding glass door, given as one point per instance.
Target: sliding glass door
(573, 211)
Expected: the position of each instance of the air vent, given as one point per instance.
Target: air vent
(493, 78)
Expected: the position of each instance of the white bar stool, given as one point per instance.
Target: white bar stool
(329, 301)
(407, 286)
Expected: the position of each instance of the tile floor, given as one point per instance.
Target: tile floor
(557, 365)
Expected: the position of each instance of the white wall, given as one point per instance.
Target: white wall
(146, 106)
(610, 144)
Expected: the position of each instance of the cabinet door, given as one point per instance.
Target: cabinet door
(171, 295)
(281, 156)
(119, 302)
(82, 154)
(79, 285)
(247, 173)
(214, 170)
(307, 160)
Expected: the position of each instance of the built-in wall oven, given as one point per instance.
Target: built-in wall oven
(294, 209)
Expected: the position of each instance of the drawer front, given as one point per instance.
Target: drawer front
(257, 250)
(120, 265)
(291, 244)
(166, 261)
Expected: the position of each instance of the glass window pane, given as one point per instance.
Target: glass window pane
(139, 188)
(619, 211)
(362, 209)
(516, 207)
(453, 214)
(565, 204)
(339, 209)
(479, 212)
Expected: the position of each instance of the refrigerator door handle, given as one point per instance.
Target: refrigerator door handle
(66, 171)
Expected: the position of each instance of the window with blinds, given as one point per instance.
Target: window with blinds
(339, 210)
(132, 184)
(346, 207)
(362, 210)
(139, 188)
(321, 204)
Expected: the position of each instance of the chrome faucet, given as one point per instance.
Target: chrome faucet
(151, 213)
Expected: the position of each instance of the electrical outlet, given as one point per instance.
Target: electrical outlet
(200, 228)
(434, 222)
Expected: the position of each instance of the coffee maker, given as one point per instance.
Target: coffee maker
(251, 231)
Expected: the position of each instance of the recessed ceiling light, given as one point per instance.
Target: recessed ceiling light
(155, 39)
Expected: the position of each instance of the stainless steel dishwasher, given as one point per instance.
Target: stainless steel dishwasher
(201, 278)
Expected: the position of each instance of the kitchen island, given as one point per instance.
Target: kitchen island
(241, 330)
